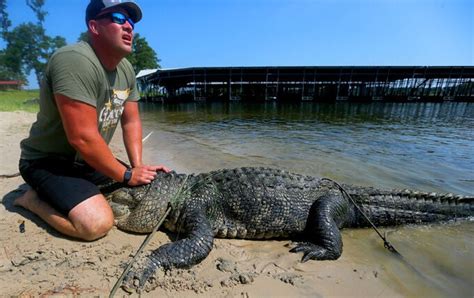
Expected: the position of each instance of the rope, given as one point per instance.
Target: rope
(147, 136)
(139, 251)
(147, 239)
(386, 244)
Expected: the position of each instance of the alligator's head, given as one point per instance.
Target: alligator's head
(138, 209)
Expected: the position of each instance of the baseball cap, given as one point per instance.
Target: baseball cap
(95, 7)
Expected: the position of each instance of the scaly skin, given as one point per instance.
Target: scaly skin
(259, 203)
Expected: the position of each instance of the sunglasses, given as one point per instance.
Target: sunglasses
(119, 18)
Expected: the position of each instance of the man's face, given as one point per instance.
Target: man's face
(119, 37)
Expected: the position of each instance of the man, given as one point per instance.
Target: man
(86, 90)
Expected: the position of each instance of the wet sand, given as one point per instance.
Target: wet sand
(42, 262)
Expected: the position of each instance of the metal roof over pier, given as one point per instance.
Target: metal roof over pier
(310, 83)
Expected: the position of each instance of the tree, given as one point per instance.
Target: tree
(37, 7)
(6, 73)
(5, 22)
(142, 56)
(84, 36)
(28, 46)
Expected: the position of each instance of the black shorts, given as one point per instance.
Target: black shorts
(62, 183)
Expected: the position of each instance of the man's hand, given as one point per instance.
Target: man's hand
(145, 174)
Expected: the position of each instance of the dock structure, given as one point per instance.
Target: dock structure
(310, 83)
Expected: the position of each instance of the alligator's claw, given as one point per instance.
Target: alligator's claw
(312, 251)
(139, 278)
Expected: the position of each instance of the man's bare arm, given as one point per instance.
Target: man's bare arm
(132, 133)
(132, 136)
(80, 123)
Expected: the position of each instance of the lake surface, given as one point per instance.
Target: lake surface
(422, 146)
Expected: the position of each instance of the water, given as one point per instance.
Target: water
(423, 146)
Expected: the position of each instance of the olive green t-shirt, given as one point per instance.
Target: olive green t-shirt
(76, 72)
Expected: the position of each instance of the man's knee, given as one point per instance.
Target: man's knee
(92, 218)
(96, 230)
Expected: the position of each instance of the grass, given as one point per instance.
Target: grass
(19, 100)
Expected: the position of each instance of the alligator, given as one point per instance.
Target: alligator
(263, 203)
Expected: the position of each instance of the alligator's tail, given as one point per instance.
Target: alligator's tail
(396, 207)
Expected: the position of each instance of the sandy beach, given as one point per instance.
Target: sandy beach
(40, 261)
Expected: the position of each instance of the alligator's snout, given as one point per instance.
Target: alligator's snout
(136, 209)
(120, 211)
(122, 204)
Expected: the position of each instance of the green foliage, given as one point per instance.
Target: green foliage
(5, 22)
(6, 72)
(143, 56)
(37, 7)
(28, 46)
(84, 36)
(16, 100)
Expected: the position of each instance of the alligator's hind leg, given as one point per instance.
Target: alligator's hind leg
(184, 253)
(326, 216)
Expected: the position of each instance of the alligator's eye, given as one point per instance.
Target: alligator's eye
(122, 197)
(119, 210)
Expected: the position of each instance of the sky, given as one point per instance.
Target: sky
(193, 33)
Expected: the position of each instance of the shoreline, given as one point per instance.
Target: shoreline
(42, 262)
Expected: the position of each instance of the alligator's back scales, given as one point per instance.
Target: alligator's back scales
(260, 203)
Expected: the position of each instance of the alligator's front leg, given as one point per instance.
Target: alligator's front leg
(183, 253)
(327, 215)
